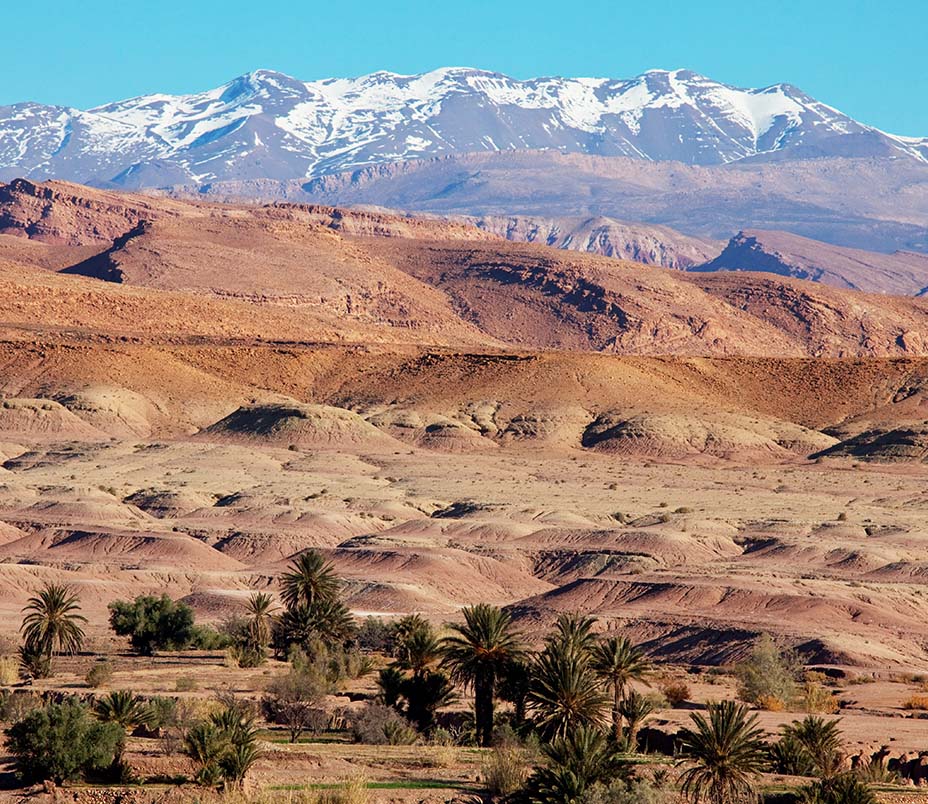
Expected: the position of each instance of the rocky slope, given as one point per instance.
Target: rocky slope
(901, 273)
(320, 273)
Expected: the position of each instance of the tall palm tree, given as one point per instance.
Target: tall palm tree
(726, 753)
(310, 579)
(53, 624)
(618, 661)
(417, 651)
(564, 693)
(260, 612)
(635, 709)
(574, 632)
(477, 654)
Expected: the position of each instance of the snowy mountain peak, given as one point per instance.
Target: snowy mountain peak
(266, 124)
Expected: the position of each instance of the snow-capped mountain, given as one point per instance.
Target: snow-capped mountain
(269, 125)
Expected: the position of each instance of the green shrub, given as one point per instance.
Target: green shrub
(63, 742)
(768, 674)
(99, 675)
(205, 638)
(153, 623)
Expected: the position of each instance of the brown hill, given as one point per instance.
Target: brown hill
(317, 273)
(785, 254)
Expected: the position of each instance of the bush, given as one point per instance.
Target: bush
(638, 791)
(153, 623)
(185, 684)
(676, 692)
(375, 635)
(63, 742)
(916, 702)
(99, 675)
(377, 724)
(293, 701)
(9, 670)
(768, 673)
(505, 770)
(203, 637)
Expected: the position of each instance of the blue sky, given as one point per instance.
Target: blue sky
(866, 58)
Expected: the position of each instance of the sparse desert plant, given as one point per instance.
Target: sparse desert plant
(676, 691)
(9, 670)
(770, 703)
(505, 770)
(377, 724)
(185, 684)
(817, 699)
(351, 791)
(293, 700)
(916, 702)
(100, 674)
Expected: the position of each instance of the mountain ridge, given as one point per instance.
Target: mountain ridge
(266, 124)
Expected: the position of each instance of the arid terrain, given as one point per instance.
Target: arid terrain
(194, 393)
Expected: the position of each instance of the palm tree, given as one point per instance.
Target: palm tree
(820, 740)
(564, 693)
(477, 654)
(618, 661)
(635, 709)
(574, 632)
(726, 753)
(417, 651)
(574, 763)
(259, 609)
(53, 624)
(845, 788)
(310, 579)
(123, 708)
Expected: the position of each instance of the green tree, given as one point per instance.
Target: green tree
(619, 662)
(768, 674)
(574, 632)
(635, 708)
(564, 693)
(52, 625)
(310, 579)
(476, 654)
(153, 623)
(725, 752)
(63, 742)
(425, 693)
